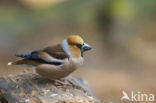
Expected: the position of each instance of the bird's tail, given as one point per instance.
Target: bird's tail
(25, 56)
(24, 62)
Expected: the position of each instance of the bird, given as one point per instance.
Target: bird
(56, 61)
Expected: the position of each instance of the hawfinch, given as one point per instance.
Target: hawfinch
(58, 61)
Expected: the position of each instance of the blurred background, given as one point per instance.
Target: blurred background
(121, 32)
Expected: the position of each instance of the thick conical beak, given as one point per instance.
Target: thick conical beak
(86, 47)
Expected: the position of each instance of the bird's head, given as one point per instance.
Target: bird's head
(77, 46)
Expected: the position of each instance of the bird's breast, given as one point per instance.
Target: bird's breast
(76, 62)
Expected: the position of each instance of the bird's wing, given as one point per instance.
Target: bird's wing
(50, 55)
(49, 58)
(56, 51)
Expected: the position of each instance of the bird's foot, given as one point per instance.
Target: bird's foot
(61, 83)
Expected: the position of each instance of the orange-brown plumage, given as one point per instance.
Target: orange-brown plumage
(75, 51)
(75, 39)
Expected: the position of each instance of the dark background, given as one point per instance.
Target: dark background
(121, 32)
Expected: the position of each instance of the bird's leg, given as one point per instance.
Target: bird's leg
(61, 82)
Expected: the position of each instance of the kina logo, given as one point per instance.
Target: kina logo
(137, 96)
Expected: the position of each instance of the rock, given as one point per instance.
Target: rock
(29, 87)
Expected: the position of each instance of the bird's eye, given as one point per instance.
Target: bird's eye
(79, 45)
